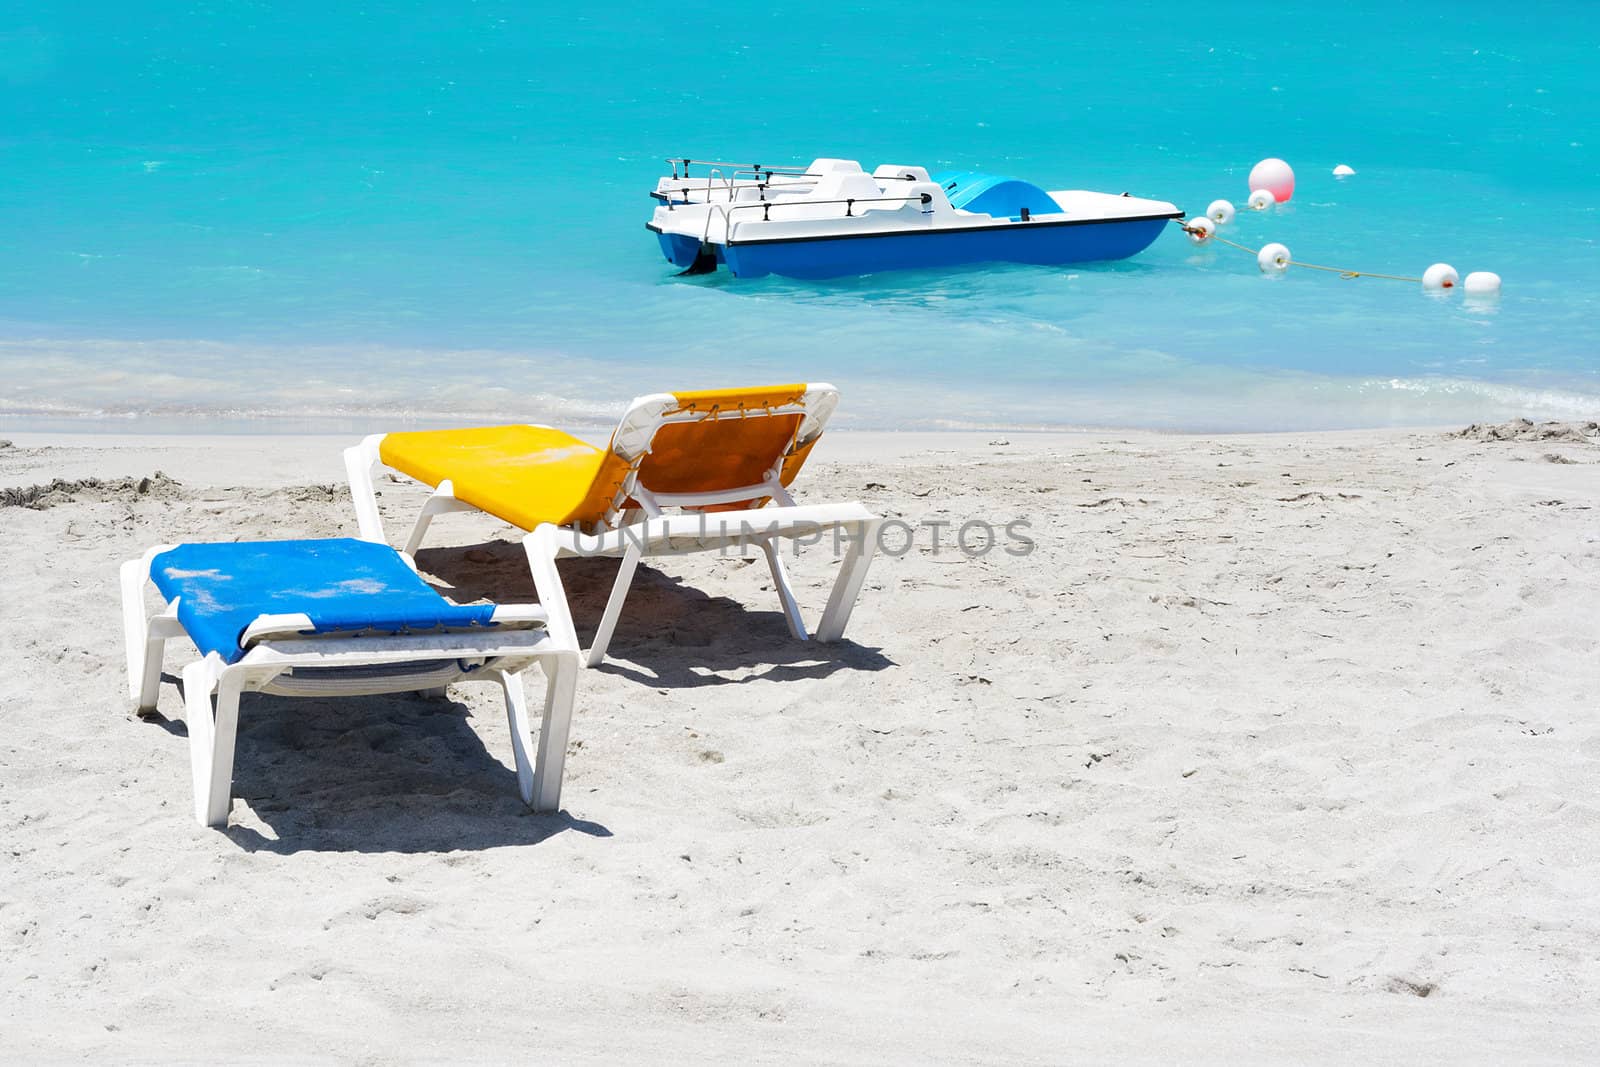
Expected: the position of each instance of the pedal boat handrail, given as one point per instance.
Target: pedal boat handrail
(738, 179)
(766, 207)
(666, 196)
(755, 168)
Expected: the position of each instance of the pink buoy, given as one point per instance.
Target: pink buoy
(1275, 176)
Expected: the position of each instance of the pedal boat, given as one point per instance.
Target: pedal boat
(833, 220)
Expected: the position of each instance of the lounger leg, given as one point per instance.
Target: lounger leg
(429, 510)
(780, 581)
(542, 549)
(212, 732)
(619, 593)
(442, 500)
(852, 574)
(161, 627)
(521, 735)
(358, 463)
(135, 624)
(561, 677)
(539, 776)
(146, 637)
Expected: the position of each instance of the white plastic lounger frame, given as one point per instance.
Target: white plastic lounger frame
(284, 660)
(649, 531)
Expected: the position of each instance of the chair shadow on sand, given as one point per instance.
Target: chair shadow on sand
(395, 773)
(671, 635)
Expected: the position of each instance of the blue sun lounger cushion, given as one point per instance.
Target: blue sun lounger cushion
(341, 584)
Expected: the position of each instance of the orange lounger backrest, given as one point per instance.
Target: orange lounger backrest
(732, 438)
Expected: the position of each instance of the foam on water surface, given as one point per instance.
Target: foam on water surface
(214, 217)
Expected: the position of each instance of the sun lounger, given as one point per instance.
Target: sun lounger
(683, 472)
(332, 618)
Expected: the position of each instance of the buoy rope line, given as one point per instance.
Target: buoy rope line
(1213, 236)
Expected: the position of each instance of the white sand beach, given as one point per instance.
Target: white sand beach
(1278, 748)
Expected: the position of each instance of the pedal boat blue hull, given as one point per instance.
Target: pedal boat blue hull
(813, 258)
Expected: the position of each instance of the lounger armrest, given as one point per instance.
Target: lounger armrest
(299, 626)
(334, 650)
(520, 615)
(267, 627)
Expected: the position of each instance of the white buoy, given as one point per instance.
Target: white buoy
(1482, 283)
(1275, 176)
(1440, 276)
(1220, 212)
(1259, 200)
(1200, 230)
(1273, 259)
(1342, 171)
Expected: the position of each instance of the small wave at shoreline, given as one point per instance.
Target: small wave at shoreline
(201, 386)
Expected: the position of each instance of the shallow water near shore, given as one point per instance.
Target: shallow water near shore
(348, 220)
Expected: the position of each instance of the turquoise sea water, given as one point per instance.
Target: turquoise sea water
(287, 215)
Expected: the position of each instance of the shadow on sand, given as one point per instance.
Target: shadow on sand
(394, 773)
(670, 635)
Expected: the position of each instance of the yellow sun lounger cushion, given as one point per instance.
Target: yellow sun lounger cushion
(525, 475)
